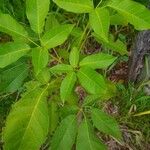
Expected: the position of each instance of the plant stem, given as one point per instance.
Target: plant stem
(82, 37)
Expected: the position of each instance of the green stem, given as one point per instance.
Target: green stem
(81, 42)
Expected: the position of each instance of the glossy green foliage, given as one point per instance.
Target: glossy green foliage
(59, 108)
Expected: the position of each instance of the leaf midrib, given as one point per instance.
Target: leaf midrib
(14, 52)
(125, 12)
(32, 114)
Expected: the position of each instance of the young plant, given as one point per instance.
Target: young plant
(36, 115)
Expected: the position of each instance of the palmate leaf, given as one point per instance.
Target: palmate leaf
(76, 6)
(135, 13)
(11, 52)
(40, 58)
(98, 61)
(67, 86)
(86, 138)
(105, 123)
(92, 81)
(12, 77)
(10, 26)
(100, 22)
(28, 122)
(56, 36)
(37, 11)
(65, 134)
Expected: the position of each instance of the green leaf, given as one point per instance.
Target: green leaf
(92, 81)
(100, 22)
(65, 134)
(44, 76)
(11, 52)
(86, 139)
(56, 36)
(76, 6)
(67, 86)
(51, 22)
(37, 11)
(61, 68)
(10, 26)
(118, 19)
(53, 116)
(91, 99)
(40, 59)
(12, 77)
(105, 123)
(135, 13)
(98, 61)
(28, 122)
(116, 46)
(74, 57)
